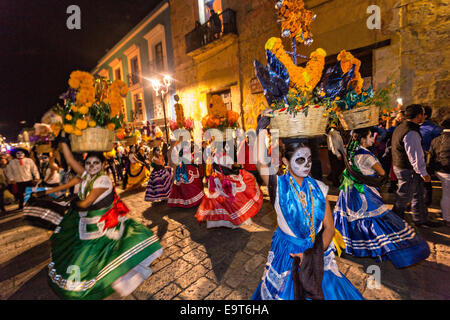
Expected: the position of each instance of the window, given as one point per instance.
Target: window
(226, 97)
(205, 7)
(159, 57)
(138, 108)
(117, 74)
(134, 70)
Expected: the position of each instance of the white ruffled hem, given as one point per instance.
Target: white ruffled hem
(226, 224)
(127, 283)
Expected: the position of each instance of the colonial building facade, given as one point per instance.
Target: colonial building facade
(407, 46)
(143, 54)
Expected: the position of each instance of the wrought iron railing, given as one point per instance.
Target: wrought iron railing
(212, 30)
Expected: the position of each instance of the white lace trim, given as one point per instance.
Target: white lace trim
(87, 284)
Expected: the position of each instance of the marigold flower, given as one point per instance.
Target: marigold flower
(111, 126)
(81, 124)
(92, 123)
(68, 117)
(78, 132)
(83, 110)
(68, 128)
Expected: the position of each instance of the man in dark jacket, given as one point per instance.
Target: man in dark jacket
(440, 164)
(409, 166)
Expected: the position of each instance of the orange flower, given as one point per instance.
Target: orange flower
(81, 124)
(111, 126)
(232, 116)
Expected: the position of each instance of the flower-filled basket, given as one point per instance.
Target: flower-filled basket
(42, 137)
(98, 139)
(358, 118)
(314, 123)
(92, 111)
(354, 107)
(220, 118)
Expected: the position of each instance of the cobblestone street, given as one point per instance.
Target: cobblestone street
(214, 264)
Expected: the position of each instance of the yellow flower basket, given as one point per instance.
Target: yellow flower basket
(129, 141)
(44, 148)
(360, 117)
(93, 139)
(300, 125)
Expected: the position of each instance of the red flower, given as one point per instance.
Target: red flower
(316, 106)
(281, 110)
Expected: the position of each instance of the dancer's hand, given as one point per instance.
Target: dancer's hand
(298, 255)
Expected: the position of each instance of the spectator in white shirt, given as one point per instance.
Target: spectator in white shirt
(335, 147)
(23, 172)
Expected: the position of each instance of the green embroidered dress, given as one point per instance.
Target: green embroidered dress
(90, 262)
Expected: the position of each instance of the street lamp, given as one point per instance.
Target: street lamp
(161, 89)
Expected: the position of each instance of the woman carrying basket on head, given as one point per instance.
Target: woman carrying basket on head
(368, 227)
(303, 236)
(161, 179)
(96, 249)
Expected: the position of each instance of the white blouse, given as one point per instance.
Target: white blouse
(101, 182)
(365, 162)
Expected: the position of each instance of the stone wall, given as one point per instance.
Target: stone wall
(425, 54)
(418, 32)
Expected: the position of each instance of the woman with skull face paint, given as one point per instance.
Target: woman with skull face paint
(138, 173)
(305, 229)
(187, 187)
(234, 195)
(110, 252)
(161, 179)
(368, 227)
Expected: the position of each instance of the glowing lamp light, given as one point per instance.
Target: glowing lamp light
(167, 80)
(400, 101)
(156, 85)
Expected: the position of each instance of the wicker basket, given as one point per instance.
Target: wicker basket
(360, 117)
(155, 143)
(44, 148)
(129, 141)
(93, 139)
(300, 125)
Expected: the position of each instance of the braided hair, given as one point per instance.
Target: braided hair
(355, 142)
(352, 169)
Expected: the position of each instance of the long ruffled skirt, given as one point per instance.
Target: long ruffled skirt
(370, 229)
(89, 263)
(159, 185)
(277, 283)
(187, 194)
(137, 177)
(220, 210)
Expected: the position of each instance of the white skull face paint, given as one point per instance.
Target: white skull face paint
(93, 165)
(370, 139)
(20, 155)
(300, 163)
(44, 160)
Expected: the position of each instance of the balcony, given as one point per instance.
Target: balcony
(206, 33)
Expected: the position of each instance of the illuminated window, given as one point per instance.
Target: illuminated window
(205, 7)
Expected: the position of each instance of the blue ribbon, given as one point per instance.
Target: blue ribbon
(181, 172)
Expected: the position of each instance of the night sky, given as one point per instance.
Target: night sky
(38, 52)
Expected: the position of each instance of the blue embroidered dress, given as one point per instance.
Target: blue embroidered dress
(293, 236)
(369, 228)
